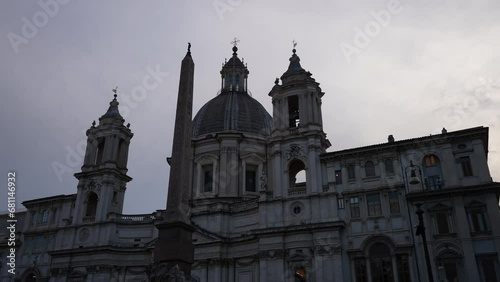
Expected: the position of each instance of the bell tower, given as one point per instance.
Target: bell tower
(102, 181)
(297, 137)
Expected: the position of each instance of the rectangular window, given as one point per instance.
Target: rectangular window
(488, 269)
(360, 268)
(340, 203)
(33, 217)
(208, 175)
(441, 220)
(373, 203)
(354, 205)
(466, 166)
(450, 270)
(250, 179)
(433, 182)
(38, 244)
(389, 167)
(351, 175)
(403, 268)
(394, 203)
(478, 220)
(293, 111)
(338, 177)
(53, 213)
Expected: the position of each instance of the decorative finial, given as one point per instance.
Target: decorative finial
(115, 91)
(277, 81)
(93, 123)
(294, 44)
(189, 47)
(128, 125)
(235, 41)
(444, 131)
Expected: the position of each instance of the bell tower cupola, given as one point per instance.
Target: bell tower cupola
(297, 101)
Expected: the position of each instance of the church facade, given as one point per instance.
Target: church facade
(268, 202)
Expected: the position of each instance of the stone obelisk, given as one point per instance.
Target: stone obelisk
(174, 250)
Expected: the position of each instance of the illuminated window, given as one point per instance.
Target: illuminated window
(293, 111)
(338, 177)
(300, 274)
(432, 172)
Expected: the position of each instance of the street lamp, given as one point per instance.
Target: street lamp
(421, 232)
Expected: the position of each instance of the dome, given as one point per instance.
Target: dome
(232, 111)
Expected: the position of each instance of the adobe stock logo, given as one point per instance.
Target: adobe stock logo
(50, 8)
(363, 37)
(223, 6)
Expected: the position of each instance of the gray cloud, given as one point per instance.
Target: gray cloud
(427, 62)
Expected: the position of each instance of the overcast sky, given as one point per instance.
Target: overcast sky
(405, 68)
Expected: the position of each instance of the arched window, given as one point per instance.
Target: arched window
(297, 178)
(91, 205)
(45, 216)
(229, 81)
(369, 169)
(380, 262)
(383, 264)
(451, 263)
(432, 172)
(297, 173)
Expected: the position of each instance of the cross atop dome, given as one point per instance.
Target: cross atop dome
(235, 42)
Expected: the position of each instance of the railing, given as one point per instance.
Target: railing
(135, 217)
(298, 189)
